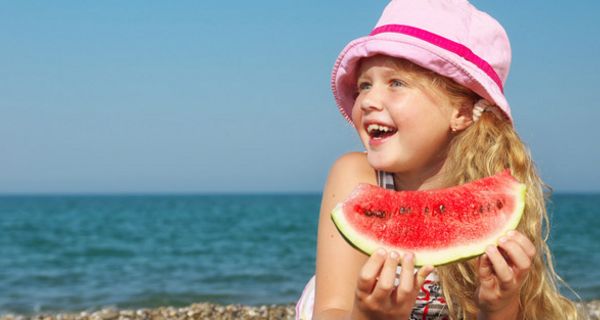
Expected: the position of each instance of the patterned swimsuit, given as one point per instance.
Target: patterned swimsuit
(430, 303)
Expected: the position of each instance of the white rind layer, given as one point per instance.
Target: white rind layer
(438, 256)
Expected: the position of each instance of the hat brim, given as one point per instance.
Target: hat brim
(422, 53)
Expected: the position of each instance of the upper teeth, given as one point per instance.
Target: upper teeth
(373, 127)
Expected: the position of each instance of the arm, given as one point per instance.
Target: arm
(349, 284)
(338, 263)
(510, 312)
(502, 271)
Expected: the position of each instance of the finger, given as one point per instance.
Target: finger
(485, 271)
(523, 241)
(499, 265)
(422, 274)
(370, 270)
(385, 284)
(407, 275)
(516, 253)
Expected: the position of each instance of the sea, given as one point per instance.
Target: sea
(86, 252)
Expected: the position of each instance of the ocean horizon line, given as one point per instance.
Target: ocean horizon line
(212, 193)
(160, 194)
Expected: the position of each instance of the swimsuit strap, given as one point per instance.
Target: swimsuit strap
(385, 180)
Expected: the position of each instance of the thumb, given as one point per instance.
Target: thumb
(422, 275)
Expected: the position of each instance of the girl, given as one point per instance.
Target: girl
(425, 93)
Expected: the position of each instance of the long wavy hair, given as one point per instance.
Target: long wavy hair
(485, 148)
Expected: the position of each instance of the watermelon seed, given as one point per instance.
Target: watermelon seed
(378, 214)
(480, 209)
(499, 204)
(426, 209)
(403, 210)
(488, 207)
(442, 208)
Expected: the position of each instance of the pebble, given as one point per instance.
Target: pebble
(193, 312)
(209, 311)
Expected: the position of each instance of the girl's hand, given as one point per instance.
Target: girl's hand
(376, 296)
(501, 274)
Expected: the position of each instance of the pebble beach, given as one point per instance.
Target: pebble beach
(209, 311)
(193, 311)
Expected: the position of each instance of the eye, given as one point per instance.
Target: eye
(363, 86)
(396, 83)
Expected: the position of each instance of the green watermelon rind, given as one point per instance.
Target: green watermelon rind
(435, 257)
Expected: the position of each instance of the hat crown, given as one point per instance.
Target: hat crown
(458, 21)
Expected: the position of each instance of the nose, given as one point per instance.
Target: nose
(371, 101)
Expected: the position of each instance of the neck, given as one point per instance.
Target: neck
(427, 178)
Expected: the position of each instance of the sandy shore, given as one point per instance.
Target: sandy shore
(207, 311)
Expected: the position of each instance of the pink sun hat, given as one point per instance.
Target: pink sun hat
(449, 37)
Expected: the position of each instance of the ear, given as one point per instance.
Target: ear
(462, 117)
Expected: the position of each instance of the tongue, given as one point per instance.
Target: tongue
(382, 135)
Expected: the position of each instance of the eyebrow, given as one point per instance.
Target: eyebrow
(388, 72)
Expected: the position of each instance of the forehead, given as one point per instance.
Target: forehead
(388, 65)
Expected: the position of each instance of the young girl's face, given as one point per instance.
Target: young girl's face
(404, 126)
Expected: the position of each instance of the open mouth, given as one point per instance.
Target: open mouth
(378, 131)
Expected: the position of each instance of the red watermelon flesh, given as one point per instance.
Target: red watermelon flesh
(438, 226)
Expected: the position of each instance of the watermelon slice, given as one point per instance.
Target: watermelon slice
(438, 226)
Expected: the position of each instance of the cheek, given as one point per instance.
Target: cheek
(422, 129)
(421, 116)
(356, 115)
(405, 118)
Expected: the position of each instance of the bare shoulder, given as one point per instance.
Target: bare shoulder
(346, 173)
(352, 167)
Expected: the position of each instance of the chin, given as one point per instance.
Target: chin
(397, 161)
(380, 163)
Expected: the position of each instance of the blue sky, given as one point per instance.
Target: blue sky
(210, 96)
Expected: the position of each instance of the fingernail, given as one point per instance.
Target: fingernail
(502, 240)
(381, 252)
(394, 255)
(511, 233)
(408, 256)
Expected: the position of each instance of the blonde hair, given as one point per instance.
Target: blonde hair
(485, 148)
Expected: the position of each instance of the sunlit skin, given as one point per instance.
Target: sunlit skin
(422, 124)
(391, 96)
